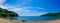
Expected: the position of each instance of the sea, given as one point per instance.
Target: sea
(35, 18)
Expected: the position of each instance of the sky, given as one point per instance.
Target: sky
(31, 7)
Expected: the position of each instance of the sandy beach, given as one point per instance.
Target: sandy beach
(15, 21)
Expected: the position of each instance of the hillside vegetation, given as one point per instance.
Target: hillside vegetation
(52, 14)
(5, 13)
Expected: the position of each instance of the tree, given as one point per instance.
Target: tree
(6, 13)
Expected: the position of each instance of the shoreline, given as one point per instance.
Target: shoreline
(2, 20)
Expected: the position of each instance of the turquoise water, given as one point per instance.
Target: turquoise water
(36, 18)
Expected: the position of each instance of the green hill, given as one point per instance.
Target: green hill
(6, 13)
(52, 14)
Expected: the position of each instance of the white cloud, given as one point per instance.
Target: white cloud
(23, 11)
(1, 4)
(19, 9)
(3, 7)
(15, 8)
(32, 14)
(2, 1)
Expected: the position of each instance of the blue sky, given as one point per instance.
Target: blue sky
(31, 7)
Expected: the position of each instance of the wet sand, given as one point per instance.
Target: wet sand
(15, 21)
